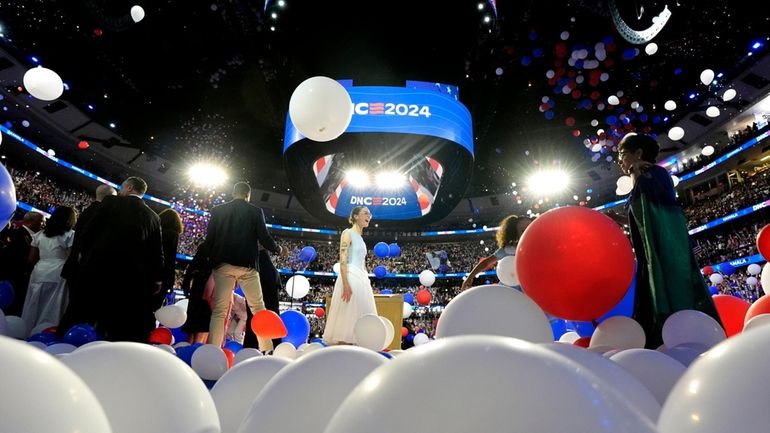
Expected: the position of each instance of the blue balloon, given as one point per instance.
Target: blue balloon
(46, 338)
(394, 250)
(6, 294)
(80, 334)
(179, 335)
(409, 337)
(584, 329)
(234, 346)
(319, 341)
(239, 291)
(726, 269)
(185, 353)
(7, 196)
(714, 290)
(409, 298)
(537, 52)
(380, 272)
(297, 326)
(307, 254)
(386, 292)
(558, 326)
(209, 383)
(381, 250)
(526, 61)
(549, 114)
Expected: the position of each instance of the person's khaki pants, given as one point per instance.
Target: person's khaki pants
(225, 278)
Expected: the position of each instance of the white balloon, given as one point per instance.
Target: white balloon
(390, 331)
(407, 310)
(707, 76)
(651, 48)
(509, 380)
(618, 332)
(140, 386)
(285, 350)
(765, 278)
(333, 373)
(427, 278)
(99, 343)
(569, 337)
(311, 347)
(676, 133)
(692, 326)
(495, 310)
(718, 391)
(656, 371)
(756, 322)
(751, 281)
(171, 316)
(60, 349)
(729, 95)
(38, 344)
(183, 304)
(40, 394)
(320, 108)
(675, 180)
(716, 278)
(622, 382)
(754, 269)
(336, 268)
(370, 332)
(625, 184)
(506, 271)
(618, 191)
(16, 327)
(244, 354)
(137, 13)
(712, 112)
(686, 354)
(707, 150)
(421, 339)
(164, 347)
(298, 286)
(234, 393)
(670, 105)
(180, 344)
(613, 100)
(209, 361)
(43, 83)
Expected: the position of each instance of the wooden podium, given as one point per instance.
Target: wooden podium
(390, 307)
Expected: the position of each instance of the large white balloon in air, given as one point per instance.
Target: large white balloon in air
(320, 108)
(137, 13)
(43, 84)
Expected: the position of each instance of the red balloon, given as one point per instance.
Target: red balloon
(404, 331)
(575, 263)
(763, 242)
(83, 144)
(423, 297)
(707, 270)
(230, 357)
(319, 312)
(267, 324)
(582, 342)
(732, 311)
(161, 336)
(760, 306)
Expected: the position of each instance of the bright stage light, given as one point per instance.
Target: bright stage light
(357, 178)
(390, 180)
(547, 182)
(206, 174)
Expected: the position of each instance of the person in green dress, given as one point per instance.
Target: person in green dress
(668, 278)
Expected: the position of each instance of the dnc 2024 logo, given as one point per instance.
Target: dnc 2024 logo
(390, 109)
(377, 201)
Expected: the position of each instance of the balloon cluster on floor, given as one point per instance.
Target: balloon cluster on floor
(494, 345)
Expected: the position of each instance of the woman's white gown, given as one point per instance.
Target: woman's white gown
(342, 316)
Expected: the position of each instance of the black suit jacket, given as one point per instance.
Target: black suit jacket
(70, 269)
(235, 231)
(15, 253)
(124, 239)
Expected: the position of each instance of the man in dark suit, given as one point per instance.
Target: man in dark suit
(235, 231)
(15, 258)
(81, 307)
(122, 262)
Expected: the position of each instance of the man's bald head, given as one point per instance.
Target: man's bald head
(103, 191)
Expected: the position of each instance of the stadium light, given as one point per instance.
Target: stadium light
(206, 174)
(548, 182)
(357, 178)
(390, 180)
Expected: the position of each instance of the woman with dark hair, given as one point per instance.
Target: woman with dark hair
(352, 297)
(508, 235)
(47, 292)
(668, 278)
(171, 228)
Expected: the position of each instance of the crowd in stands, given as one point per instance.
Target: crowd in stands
(735, 139)
(729, 241)
(722, 200)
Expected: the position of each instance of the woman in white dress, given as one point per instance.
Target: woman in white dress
(352, 297)
(47, 293)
